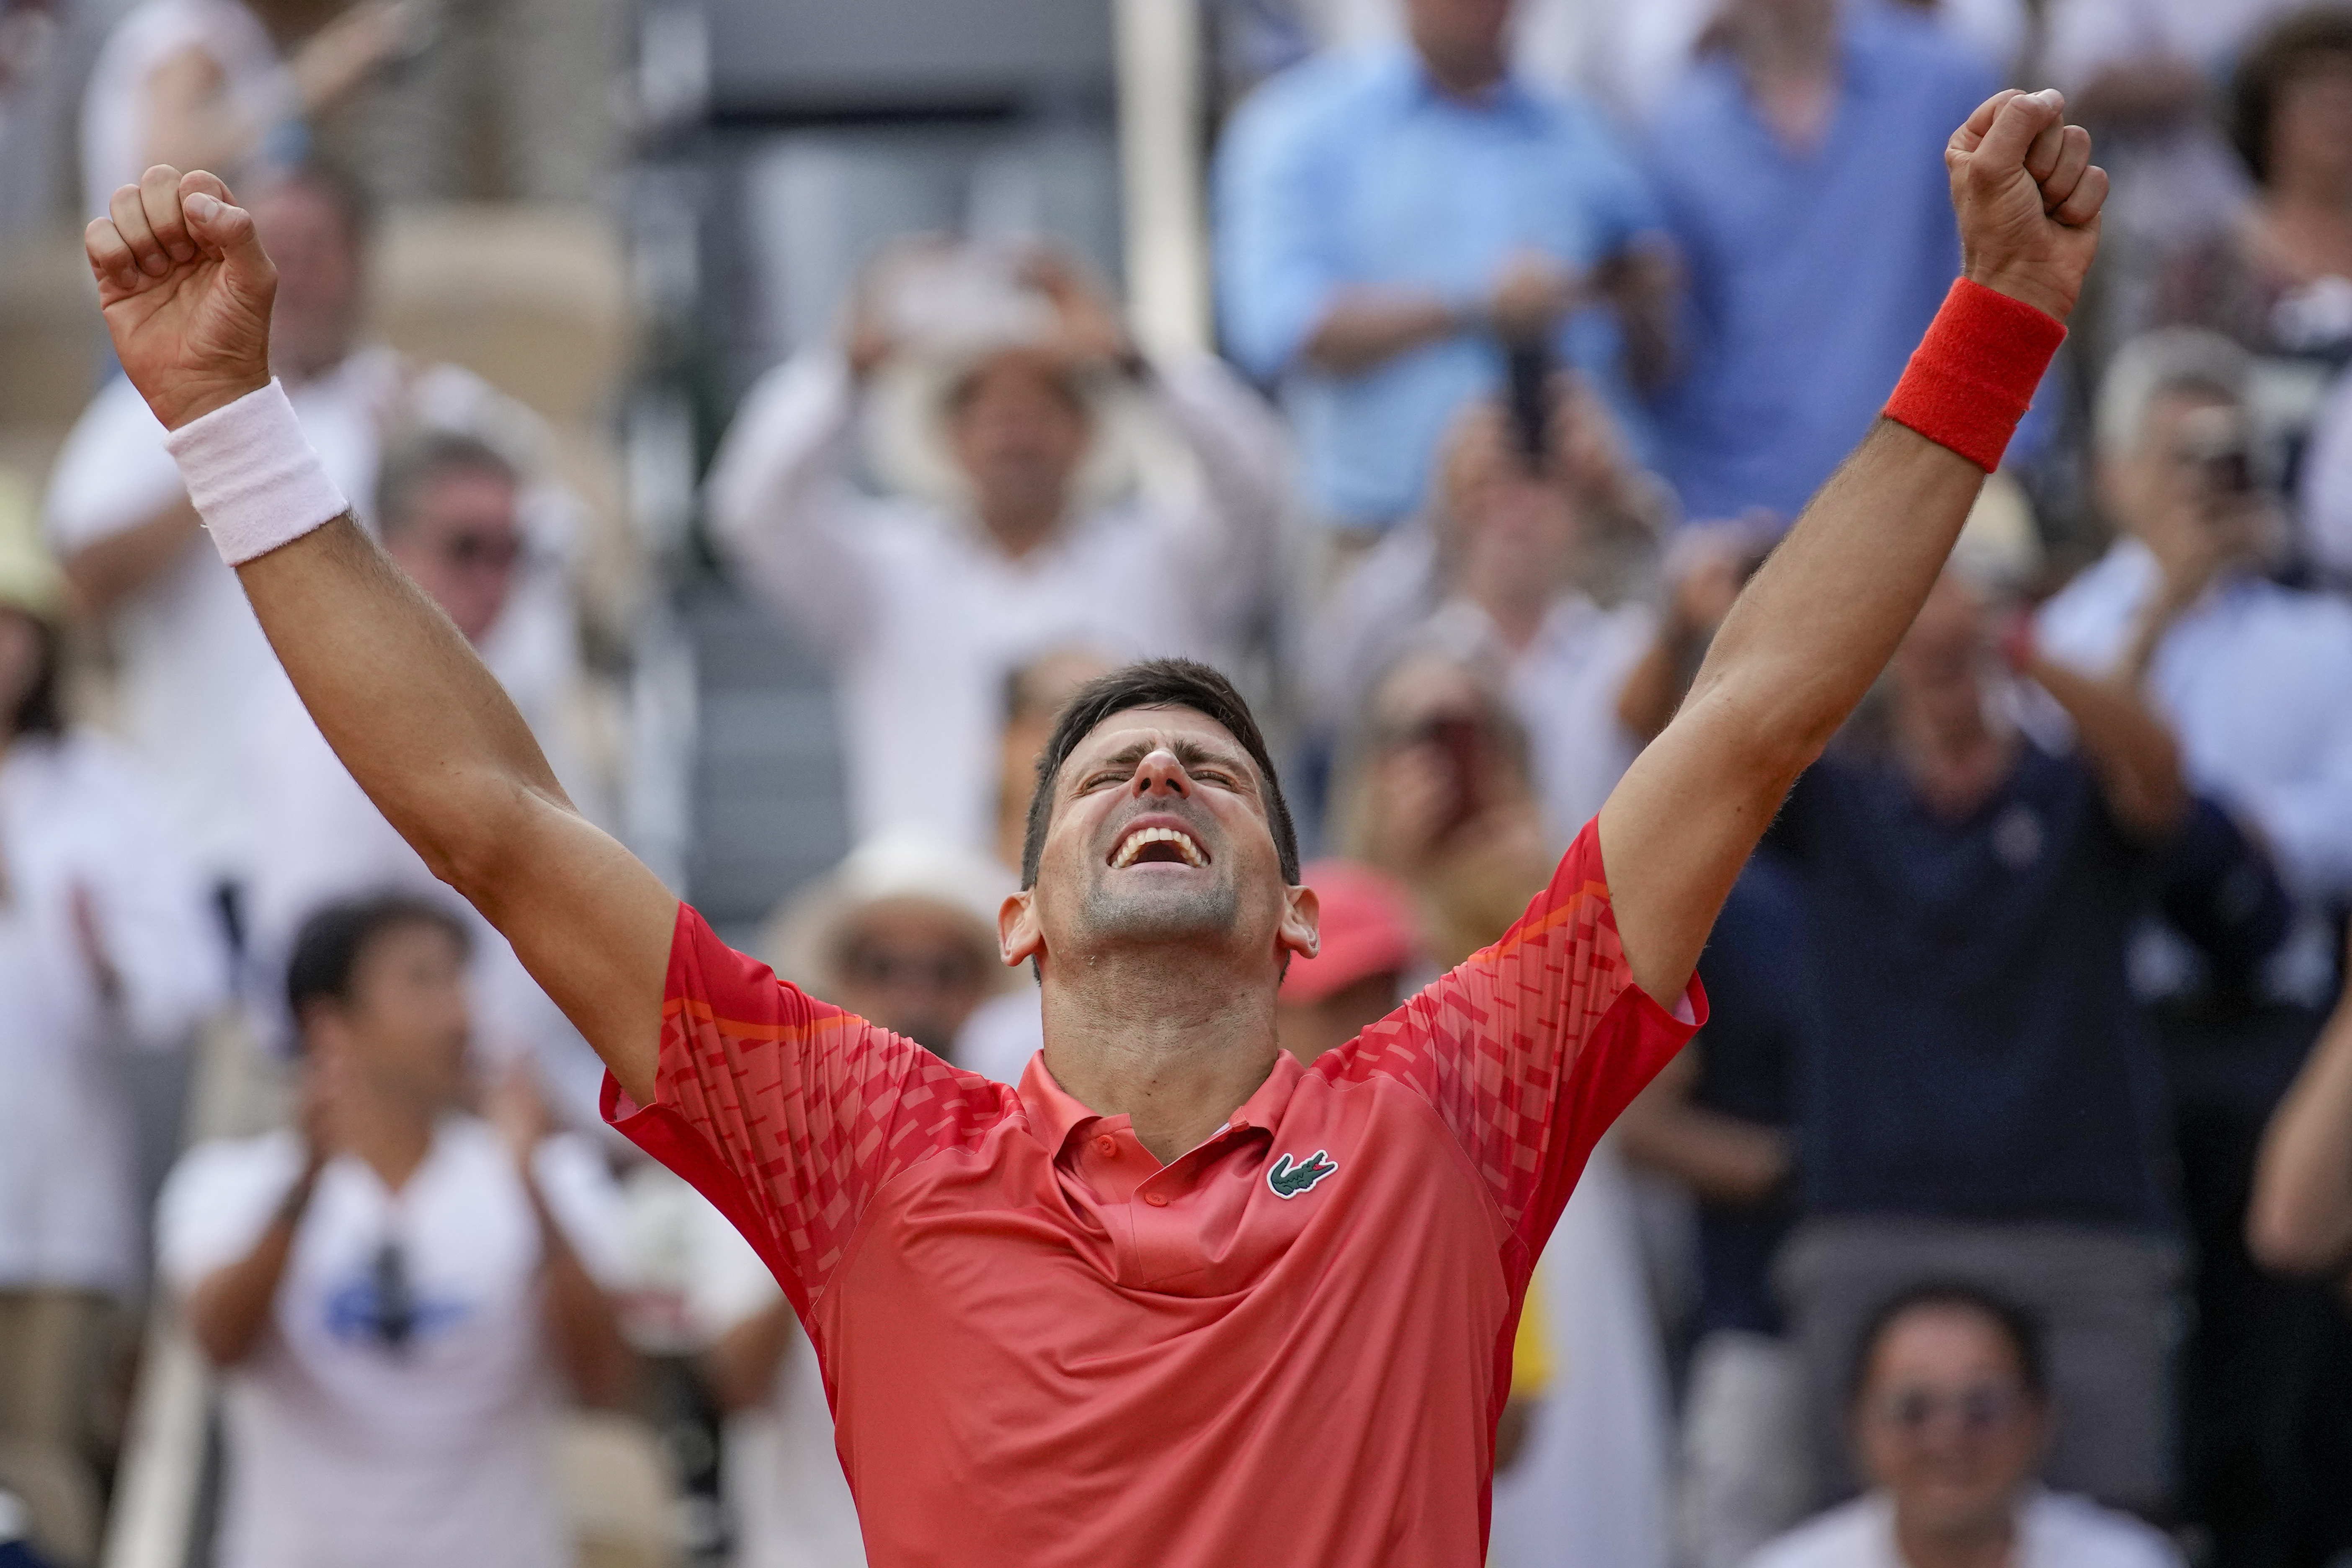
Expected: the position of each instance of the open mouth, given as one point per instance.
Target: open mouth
(1150, 846)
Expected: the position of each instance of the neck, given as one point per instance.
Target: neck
(1791, 63)
(1161, 1035)
(1985, 1543)
(1465, 73)
(1019, 527)
(1954, 759)
(391, 1134)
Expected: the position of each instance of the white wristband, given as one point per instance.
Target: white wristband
(253, 475)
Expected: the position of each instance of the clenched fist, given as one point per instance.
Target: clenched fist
(2028, 197)
(186, 291)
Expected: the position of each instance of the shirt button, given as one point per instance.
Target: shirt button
(1106, 1146)
(1156, 1199)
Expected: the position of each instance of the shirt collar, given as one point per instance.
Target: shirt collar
(1510, 96)
(1056, 1114)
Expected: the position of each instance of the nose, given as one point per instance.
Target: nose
(1160, 773)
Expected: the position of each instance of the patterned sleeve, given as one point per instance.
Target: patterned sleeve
(786, 1112)
(1531, 1047)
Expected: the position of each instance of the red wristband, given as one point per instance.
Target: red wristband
(1973, 377)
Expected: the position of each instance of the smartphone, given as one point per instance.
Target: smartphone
(1529, 370)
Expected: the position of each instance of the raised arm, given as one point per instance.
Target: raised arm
(1817, 624)
(2301, 1217)
(423, 728)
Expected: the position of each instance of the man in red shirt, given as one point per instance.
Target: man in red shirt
(1176, 1300)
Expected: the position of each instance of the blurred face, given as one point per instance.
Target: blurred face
(1517, 529)
(1463, 41)
(21, 642)
(2311, 123)
(914, 968)
(317, 313)
(1945, 1424)
(1019, 433)
(461, 541)
(1939, 668)
(1438, 760)
(1307, 1029)
(403, 1034)
(2186, 488)
(1160, 833)
(1044, 687)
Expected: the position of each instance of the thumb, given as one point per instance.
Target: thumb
(221, 227)
(2013, 130)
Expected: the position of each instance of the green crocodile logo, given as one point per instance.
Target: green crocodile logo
(1289, 1180)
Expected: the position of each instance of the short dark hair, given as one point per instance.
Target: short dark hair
(2011, 1321)
(416, 458)
(1156, 683)
(333, 942)
(2274, 55)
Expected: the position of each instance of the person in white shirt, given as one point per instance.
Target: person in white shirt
(449, 511)
(106, 947)
(223, 84)
(400, 1291)
(188, 650)
(1042, 485)
(1949, 1406)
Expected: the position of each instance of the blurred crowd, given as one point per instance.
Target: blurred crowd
(2000, 1214)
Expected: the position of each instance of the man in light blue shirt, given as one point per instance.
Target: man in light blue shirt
(1382, 215)
(1801, 167)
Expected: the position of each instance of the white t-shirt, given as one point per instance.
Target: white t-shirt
(115, 136)
(344, 1452)
(783, 1483)
(190, 653)
(2054, 1532)
(75, 817)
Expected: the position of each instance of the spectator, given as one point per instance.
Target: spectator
(1369, 948)
(1980, 1099)
(226, 85)
(1004, 404)
(903, 934)
(1949, 1406)
(397, 1289)
(1385, 216)
(449, 509)
(105, 945)
(1502, 576)
(1813, 122)
(187, 648)
(1033, 696)
(2252, 677)
(1437, 795)
(1721, 1121)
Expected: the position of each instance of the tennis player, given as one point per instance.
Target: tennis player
(1175, 1300)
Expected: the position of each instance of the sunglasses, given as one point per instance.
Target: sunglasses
(482, 550)
(1977, 1410)
(938, 969)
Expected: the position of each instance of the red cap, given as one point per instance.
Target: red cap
(1368, 928)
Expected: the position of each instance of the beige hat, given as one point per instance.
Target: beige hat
(30, 580)
(894, 868)
(951, 306)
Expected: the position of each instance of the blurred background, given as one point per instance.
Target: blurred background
(795, 401)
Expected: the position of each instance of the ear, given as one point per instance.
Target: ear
(1302, 914)
(1019, 936)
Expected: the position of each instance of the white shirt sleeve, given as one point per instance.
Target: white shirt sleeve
(726, 1283)
(1226, 537)
(218, 1202)
(113, 474)
(152, 915)
(586, 1202)
(781, 503)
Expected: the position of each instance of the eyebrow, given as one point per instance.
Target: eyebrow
(1189, 755)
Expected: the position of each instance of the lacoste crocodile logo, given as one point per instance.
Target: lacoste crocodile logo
(1289, 1180)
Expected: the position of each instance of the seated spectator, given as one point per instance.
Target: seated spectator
(1033, 696)
(187, 648)
(226, 85)
(1811, 122)
(398, 1290)
(1981, 1098)
(1004, 408)
(1388, 217)
(1949, 1406)
(106, 946)
(1720, 1121)
(449, 509)
(1510, 572)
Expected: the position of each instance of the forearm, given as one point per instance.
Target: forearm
(595, 1357)
(742, 1363)
(1364, 328)
(2133, 754)
(2300, 1220)
(776, 485)
(229, 1307)
(1653, 687)
(1642, 282)
(106, 573)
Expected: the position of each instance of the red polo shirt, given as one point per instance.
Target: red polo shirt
(1287, 1346)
